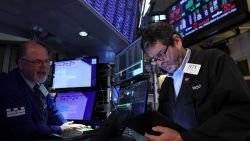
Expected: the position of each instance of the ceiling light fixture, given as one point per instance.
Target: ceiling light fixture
(83, 33)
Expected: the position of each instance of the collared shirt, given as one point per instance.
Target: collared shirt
(178, 74)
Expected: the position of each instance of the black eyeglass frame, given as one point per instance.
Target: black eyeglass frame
(160, 55)
(38, 62)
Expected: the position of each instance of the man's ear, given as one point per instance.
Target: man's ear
(19, 64)
(18, 61)
(177, 40)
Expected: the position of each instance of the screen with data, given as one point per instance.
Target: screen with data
(129, 62)
(134, 97)
(79, 73)
(76, 105)
(121, 14)
(193, 16)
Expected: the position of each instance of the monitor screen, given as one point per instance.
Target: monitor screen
(76, 105)
(129, 62)
(116, 94)
(121, 14)
(134, 97)
(79, 73)
(197, 19)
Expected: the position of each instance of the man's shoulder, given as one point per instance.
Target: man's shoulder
(214, 51)
(207, 54)
(11, 79)
(12, 74)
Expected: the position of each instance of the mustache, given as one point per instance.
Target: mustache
(165, 64)
(42, 72)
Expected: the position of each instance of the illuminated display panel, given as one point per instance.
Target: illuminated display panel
(79, 73)
(76, 105)
(197, 16)
(121, 14)
(129, 63)
(134, 97)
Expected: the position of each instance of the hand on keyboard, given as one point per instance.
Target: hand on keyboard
(70, 130)
(86, 128)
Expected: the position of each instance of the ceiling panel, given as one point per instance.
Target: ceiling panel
(60, 22)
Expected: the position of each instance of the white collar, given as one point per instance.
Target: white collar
(184, 62)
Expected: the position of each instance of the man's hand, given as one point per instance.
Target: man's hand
(70, 129)
(167, 134)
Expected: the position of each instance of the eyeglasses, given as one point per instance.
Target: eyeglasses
(160, 55)
(38, 62)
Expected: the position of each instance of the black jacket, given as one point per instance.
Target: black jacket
(220, 96)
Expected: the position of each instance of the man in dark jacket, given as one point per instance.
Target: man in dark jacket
(27, 109)
(204, 91)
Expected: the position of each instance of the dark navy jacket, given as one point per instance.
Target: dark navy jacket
(220, 99)
(19, 116)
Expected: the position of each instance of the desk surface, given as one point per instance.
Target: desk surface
(118, 138)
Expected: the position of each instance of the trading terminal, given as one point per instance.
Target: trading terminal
(94, 75)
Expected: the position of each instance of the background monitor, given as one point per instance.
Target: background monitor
(79, 73)
(121, 14)
(134, 97)
(129, 62)
(76, 105)
(197, 19)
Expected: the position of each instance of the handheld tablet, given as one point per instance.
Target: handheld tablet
(143, 123)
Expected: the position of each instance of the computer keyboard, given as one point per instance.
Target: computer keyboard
(82, 133)
(86, 128)
(87, 134)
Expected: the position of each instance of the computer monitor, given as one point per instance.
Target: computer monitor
(78, 73)
(120, 14)
(76, 105)
(116, 94)
(134, 97)
(129, 63)
(196, 19)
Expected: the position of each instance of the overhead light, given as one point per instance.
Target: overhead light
(83, 33)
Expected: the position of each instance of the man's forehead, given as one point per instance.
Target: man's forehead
(33, 47)
(153, 50)
(36, 52)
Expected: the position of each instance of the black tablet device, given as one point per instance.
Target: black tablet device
(143, 123)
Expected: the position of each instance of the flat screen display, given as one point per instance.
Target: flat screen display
(121, 14)
(79, 73)
(129, 62)
(76, 105)
(134, 97)
(204, 17)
